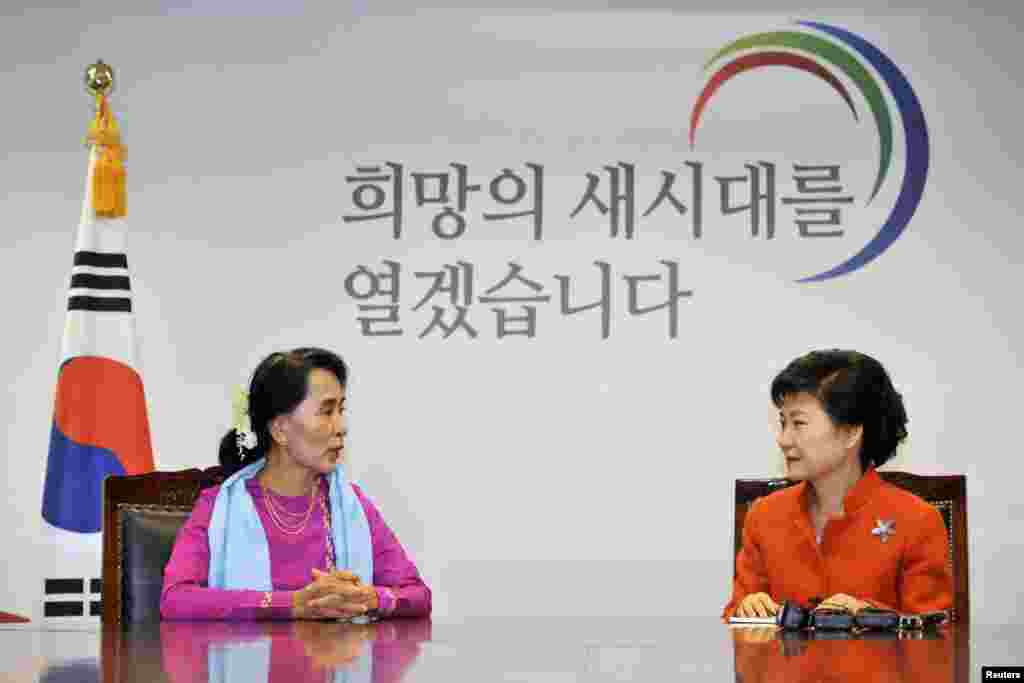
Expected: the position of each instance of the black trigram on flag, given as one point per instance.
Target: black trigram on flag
(68, 598)
(99, 282)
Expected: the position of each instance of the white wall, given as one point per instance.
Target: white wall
(563, 474)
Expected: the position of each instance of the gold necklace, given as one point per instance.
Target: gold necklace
(331, 556)
(278, 514)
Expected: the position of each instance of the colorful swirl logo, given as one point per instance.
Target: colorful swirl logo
(767, 49)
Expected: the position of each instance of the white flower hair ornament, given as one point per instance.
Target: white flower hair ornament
(245, 438)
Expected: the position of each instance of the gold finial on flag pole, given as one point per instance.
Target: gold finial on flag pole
(108, 177)
(99, 78)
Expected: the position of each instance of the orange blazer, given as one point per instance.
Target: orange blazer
(908, 571)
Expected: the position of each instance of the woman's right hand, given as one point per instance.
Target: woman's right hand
(757, 605)
(300, 603)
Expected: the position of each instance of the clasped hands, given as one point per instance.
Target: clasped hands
(762, 605)
(334, 595)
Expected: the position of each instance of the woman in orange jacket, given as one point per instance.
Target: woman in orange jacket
(842, 538)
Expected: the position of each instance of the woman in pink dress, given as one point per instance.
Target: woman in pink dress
(286, 535)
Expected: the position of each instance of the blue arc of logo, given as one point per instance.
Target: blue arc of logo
(915, 134)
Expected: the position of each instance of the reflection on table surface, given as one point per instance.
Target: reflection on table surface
(767, 655)
(514, 648)
(268, 651)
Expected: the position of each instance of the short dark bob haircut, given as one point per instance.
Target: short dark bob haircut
(279, 383)
(854, 389)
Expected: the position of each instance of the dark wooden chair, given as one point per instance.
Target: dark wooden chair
(948, 493)
(141, 517)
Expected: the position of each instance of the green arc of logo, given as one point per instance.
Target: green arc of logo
(842, 60)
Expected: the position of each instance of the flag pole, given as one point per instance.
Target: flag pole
(100, 427)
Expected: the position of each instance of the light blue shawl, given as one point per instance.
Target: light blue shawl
(239, 554)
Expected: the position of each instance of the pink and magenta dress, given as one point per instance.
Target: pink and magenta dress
(187, 594)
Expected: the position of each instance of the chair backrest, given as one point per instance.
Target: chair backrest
(948, 493)
(142, 514)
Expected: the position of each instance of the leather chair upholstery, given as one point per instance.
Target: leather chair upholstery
(147, 538)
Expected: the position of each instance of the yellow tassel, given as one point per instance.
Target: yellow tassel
(109, 196)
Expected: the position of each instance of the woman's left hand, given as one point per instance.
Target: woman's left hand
(843, 601)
